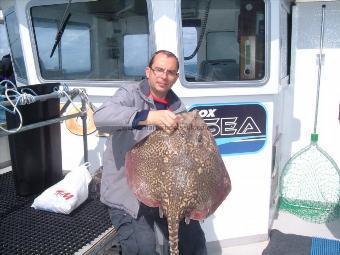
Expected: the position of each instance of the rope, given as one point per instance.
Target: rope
(65, 92)
(15, 110)
(28, 96)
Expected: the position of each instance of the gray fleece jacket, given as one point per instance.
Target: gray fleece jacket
(115, 116)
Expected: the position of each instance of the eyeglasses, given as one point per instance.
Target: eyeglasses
(160, 71)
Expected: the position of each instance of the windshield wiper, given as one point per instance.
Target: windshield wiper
(61, 29)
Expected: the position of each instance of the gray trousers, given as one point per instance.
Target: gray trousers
(137, 236)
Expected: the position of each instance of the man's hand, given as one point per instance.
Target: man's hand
(164, 119)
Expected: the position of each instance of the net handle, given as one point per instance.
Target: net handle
(319, 67)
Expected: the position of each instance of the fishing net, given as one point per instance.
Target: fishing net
(310, 185)
(310, 181)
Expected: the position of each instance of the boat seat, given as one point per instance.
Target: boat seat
(219, 70)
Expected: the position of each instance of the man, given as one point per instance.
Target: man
(131, 115)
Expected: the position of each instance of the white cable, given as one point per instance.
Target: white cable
(28, 99)
(63, 93)
(6, 83)
(15, 109)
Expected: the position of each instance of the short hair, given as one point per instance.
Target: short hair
(169, 54)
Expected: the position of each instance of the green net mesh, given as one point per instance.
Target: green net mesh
(310, 185)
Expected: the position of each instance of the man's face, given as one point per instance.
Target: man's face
(162, 75)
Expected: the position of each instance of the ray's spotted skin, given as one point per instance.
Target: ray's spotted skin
(182, 173)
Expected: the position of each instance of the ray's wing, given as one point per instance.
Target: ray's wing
(213, 182)
(142, 168)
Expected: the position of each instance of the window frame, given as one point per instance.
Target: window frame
(226, 84)
(18, 78)
(83, 82)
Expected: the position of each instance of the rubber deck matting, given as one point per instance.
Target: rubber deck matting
(25, 230)
(292, 244)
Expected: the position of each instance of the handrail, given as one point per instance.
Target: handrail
(55, 94)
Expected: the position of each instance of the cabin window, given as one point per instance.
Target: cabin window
(189, 45)
(4, 49)
(102, 40)
(223, 40)
(135, 60)
(15, 46)
(67, 58)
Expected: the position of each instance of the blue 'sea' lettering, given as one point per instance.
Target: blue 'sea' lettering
(228, 126)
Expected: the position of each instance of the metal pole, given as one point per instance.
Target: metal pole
(73, 93)
(36, 99)
(40, 124)
(322, 25)
(84, 117)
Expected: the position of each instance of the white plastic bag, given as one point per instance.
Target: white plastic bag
(67, 194)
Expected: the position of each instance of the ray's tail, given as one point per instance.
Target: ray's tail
(173, 226)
